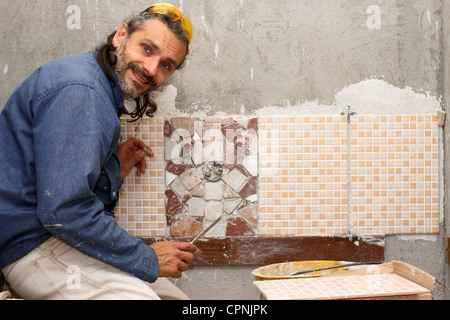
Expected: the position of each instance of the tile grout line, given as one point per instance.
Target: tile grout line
(349, 115)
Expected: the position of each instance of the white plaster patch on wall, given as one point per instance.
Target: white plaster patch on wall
(429, 16)
(379, 97)
(366, 97)
(240, 24)
(372, 240)
(425, 237)
(205, 24)
(216, 51)
(166, 101)
(370, 96)
(5, 70)
(305, 108)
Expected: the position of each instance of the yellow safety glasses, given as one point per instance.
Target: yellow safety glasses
(175, 14)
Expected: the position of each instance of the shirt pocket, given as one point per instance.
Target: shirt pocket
(109, 183)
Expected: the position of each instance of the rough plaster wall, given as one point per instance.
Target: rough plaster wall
(246, 53)
(250, 56)
(260, 53)
(446, 84)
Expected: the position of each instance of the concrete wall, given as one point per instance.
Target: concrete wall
(259, 57)
(446, 90)
(248, 54)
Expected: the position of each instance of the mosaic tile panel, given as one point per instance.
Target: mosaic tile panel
(212, 172)
(141, 208)
(338, 288)
(395, 174)
(303, 175)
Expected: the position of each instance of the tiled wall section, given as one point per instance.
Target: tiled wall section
(304, 173)
(141, 208)
(304, 164)
(395, 174)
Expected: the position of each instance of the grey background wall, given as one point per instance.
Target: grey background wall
(251, 57)
(246, 52)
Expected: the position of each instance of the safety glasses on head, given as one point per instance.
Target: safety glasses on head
(175, 14)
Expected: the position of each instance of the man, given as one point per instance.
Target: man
(61, 168)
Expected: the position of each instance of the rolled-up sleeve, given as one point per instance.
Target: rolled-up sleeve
(75, 129)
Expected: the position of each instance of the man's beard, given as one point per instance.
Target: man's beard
(134, 89)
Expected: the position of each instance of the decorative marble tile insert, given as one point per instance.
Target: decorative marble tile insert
(141, 208)
(304, 172)
(211, 171)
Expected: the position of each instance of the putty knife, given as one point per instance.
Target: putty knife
(206, 230)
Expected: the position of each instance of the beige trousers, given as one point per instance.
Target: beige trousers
(57, 271)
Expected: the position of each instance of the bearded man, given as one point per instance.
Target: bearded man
(62, 166)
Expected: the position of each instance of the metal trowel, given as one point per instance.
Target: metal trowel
(206, 230)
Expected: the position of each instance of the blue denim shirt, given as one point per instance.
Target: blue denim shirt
(59, 170)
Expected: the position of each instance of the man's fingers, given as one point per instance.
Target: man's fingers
(148, 152)
(186, 257)
(187, 246)
(138, 156)
(183, 266)
(135, 145)
(174, 257)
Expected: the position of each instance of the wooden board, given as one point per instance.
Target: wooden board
(368, 286)
(260, 251)
(447, 241)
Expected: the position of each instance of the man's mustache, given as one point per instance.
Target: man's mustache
(141, 72)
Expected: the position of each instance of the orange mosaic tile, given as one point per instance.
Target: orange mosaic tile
(141, 208)
(395, 174)
(304, 172)
(341, 288)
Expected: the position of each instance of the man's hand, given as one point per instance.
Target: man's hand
(173, 257)
(131, 155)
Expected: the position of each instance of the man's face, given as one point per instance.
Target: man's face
(147, 58)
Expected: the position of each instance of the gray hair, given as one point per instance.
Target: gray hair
(138, 21)
(106, 54)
